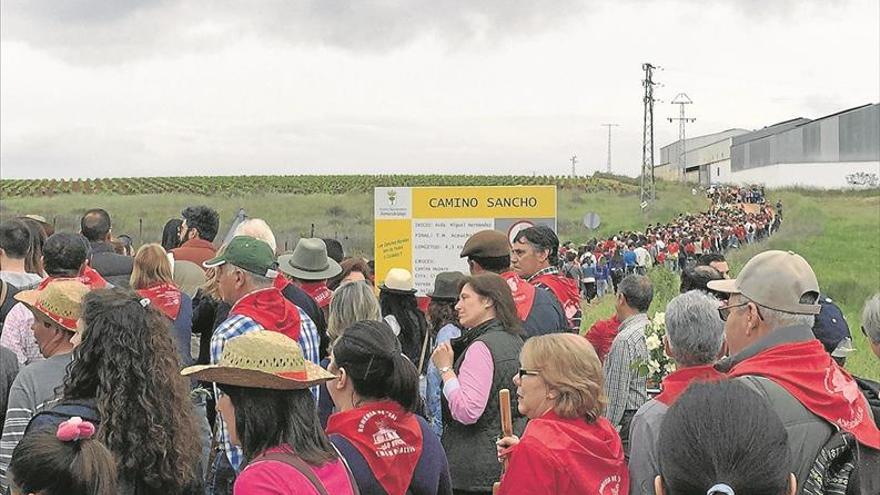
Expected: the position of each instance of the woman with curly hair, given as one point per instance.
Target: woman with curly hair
(127, 370)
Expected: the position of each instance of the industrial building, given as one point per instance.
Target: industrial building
(836, 151)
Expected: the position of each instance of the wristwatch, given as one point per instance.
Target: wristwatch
(444, 369)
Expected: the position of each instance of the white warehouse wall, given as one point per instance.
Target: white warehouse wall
(820, 175)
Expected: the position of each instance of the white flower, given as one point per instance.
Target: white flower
(653, 366)
(659, 319)
(653, 342)
(670, 366)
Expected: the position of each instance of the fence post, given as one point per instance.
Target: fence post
(312, 235)
(140, 231)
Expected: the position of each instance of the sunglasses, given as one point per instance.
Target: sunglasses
(524, 372)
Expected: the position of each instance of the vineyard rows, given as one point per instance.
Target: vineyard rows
(298, 184)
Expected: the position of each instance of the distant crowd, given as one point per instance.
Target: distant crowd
(207, 365)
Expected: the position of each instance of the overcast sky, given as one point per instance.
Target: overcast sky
(96, 88)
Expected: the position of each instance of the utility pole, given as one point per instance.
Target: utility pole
(573, 160)
(609, 126)
(681, 100)
(647, 193)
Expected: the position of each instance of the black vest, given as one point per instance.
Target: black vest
(473, 461)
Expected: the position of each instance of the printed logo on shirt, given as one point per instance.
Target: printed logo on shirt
(837, 383)
(610, 486)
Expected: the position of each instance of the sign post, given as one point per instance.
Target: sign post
(423, 229)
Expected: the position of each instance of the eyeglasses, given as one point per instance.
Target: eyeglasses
(724, 311)
(523, 372)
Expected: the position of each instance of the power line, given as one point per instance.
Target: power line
(681, 100)
(646, 191)
(609, 126)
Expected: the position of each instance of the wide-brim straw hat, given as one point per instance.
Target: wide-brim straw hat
(59, 300)
(399, 281)
(309, 261)
(262, 359)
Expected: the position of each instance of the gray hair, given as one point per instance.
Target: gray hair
(638, 292)
(352, 302)
(694, 328)
(258, 229)
(871, 318)
(778, 319)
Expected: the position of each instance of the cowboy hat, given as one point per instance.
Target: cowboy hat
(309, 261)
(262, 359)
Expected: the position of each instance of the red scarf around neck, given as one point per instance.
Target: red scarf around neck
(281, 282)
(677, 382)
(389, 439)
(566, 291)
(165, 297)
(271, 310)
(319, 292)
(88, 277)
(809, 373)
(523, 293)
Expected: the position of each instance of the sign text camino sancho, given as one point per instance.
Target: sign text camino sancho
(423, 229)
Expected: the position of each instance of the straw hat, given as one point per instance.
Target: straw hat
(59, 300)
(262, 359)
(399, 281)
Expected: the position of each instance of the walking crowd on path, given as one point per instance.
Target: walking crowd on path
(192, 366)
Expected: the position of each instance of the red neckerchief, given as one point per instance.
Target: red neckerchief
(92, 278)
(271, 310)
(523, 293)
(389, 439)
(319, 292)
(678, 381)
(809, 373)
(281, 282)
(565, 290)
(88, 277)
(166, 297)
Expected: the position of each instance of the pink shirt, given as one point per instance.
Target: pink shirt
(18, 337)
(468, 393)
(278, 478)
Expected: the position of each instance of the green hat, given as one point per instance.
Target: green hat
(249, 254)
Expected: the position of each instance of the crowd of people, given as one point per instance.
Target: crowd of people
(195, 366)
(599, 265)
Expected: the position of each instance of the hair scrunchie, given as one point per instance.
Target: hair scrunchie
(75, 429)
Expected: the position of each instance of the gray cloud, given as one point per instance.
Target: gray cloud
(96, 32)
(102, 32)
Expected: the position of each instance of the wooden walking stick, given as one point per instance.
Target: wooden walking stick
(506, 428)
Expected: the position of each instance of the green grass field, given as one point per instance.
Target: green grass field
(837, 232)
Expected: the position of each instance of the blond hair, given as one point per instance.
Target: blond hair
(569, 365)
(151, 267)
(351, 303)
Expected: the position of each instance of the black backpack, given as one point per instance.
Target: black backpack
(62, 411)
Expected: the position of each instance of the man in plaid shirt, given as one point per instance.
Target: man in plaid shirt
(625, 386)
(246, 271)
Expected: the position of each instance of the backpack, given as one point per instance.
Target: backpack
(61, 412)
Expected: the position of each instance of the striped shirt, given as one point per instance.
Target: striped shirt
(18, 337)
(37, 387)
(625, 387)
(238, 325)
